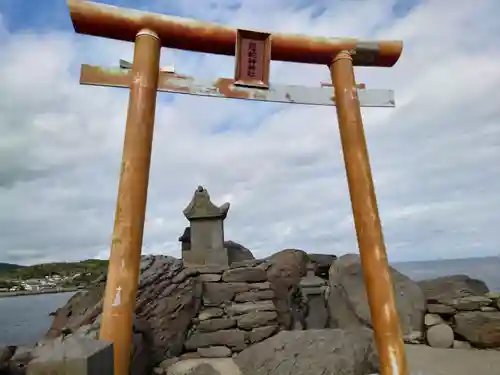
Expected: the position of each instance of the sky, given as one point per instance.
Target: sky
(435, 157)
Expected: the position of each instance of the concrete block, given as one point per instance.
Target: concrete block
(73, 356)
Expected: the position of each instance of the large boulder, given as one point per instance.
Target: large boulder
(168, 299)
(450, 287)
(237, 252)
(348, 303)
(331, 351)
(440, 336)
(284, 271)
(481, 329)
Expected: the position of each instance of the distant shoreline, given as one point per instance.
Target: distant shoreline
(31, 293)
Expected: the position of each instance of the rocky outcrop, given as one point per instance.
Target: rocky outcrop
(451, 287)
(261, 312)
(200, 311)
(81, 309)
(334, 351)
(168, 298)
(348, 304)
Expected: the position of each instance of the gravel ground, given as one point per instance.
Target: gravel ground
(424, 360)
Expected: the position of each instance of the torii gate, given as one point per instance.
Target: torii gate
(254, 51)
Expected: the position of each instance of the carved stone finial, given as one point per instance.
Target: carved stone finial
(201, 207)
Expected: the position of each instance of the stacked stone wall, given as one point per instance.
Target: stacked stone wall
(470, 321)
(237, 310)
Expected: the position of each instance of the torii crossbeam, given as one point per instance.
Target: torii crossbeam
(253, 50)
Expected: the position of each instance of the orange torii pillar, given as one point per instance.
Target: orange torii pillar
(150, 32)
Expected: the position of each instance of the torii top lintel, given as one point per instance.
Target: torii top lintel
(192, 35)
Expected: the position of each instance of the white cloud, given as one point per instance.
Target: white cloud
(434, 157)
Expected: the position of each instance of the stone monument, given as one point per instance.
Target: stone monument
(313, 288)
(206, 231)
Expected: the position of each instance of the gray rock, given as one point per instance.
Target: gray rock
(461, 345)
(254, 296)
(205, 366)
(440, 336)
(168, 362)
(315, 291)
(312, 282)
(260, 286)
(217, 324)
(247, 263)
(210, 268)
(348, 304)
(189, 355)
(414, 337)
(248, 307)
(216, 293)
(20, 360)
(260, 333)
(481, 329)
(211, 312)
(317, 312)
(451, 287)
(247, 274)
(333, 351)
(432, 320)
(488, 309)
(256, 319)
(232, 338)
(214, 352)
(437, 308)
(493, 295)
(471, 303)
(185, 274)
(237, 252)
(210, 277)
(141, 343)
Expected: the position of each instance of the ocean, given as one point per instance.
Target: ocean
(24, 319)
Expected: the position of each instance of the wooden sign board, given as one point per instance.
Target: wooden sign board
(253, 58)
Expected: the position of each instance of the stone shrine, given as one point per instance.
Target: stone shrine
(313, 289)
(206, 231)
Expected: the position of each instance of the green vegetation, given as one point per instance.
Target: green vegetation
(89, 270)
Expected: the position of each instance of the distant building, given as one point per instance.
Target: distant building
(31, 285)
